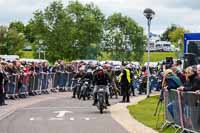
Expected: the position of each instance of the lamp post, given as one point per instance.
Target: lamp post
(39, 50)
(40, 43)
(148, 13)
(44, 55)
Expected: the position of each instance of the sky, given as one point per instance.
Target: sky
(184, 13)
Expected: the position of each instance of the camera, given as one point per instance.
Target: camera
(169, 62)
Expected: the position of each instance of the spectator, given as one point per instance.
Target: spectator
(179, 66)
(2, 92)
(171, 81)
(176, 70)
(193, 80)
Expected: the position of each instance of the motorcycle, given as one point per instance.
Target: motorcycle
(143, 85)
(85, 90)
(154, 81)
(136, 83)
(101, 98)
(76, 87)
(111, 91)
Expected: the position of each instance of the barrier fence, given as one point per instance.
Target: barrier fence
(182, 109)
(36, 83)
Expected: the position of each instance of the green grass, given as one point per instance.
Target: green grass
(144, 113)
(27, 54)
(158, 56)
(154, 56)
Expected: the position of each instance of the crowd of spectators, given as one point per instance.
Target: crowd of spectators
(187, 79)
(15, 76)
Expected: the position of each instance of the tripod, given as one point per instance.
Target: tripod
(159, 106)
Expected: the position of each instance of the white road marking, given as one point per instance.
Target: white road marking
(87, 118)
(32, 119)
(56, 119)
(71, 118)
(61, 118)
(62, 113)
(35, 118)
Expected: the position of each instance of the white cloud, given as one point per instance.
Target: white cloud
(181, 12)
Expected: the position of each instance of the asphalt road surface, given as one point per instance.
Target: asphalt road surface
(64, 115)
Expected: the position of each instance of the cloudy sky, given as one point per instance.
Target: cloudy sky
(181, 12)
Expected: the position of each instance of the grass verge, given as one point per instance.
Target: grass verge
(144, 113)
(27, 54)
(158, 56)
(154, 56)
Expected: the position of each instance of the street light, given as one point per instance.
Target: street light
(148, 13)
(39, 52)
(40, 43)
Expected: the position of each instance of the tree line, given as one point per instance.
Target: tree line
(75, 31)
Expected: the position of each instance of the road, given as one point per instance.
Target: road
(64, 115)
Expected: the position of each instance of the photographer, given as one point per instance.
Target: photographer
(170, 80)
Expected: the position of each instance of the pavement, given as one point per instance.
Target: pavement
(120, 113)
(59, 113)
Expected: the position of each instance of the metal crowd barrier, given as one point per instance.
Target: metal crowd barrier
(182, 110)
(63, 80)
(11, 86)
(36, 83)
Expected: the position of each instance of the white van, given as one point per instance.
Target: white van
(163, 46)
(9, 57)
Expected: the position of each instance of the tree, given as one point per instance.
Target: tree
(177, 36)
(3, 38)
(123, 38)
(51, 30)
(11, 40)
(87, 28)
(165, 35)
(18, 26)
(68, 32)
(29, 34)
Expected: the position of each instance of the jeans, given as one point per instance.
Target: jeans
(96, 88)
(62, 80)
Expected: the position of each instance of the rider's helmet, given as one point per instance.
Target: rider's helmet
(107, 67)
(100, 71)
(82, 69)
(99, 68)
(128, 66)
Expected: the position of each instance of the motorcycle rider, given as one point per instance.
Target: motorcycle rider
(111, 74)
(101, 78)
(143, 84)
(88, 76)
(77, 76)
